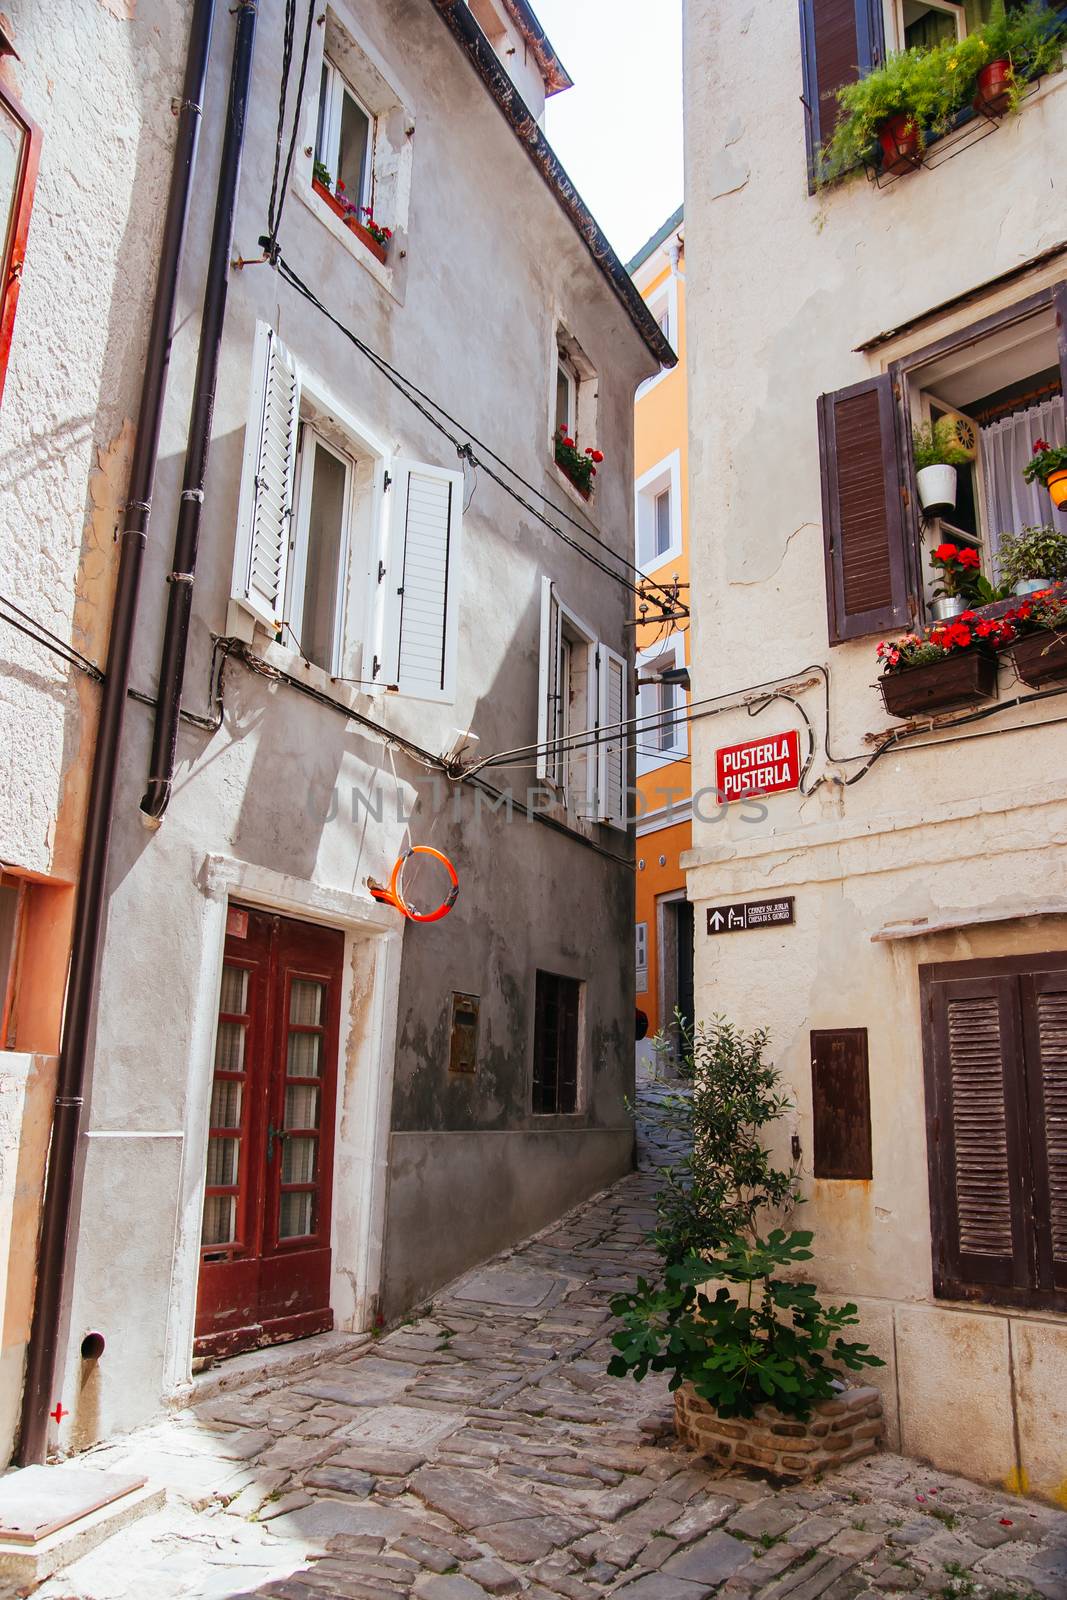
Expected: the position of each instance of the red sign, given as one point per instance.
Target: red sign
(761, 766)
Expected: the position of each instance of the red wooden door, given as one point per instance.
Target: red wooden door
(265, 1242)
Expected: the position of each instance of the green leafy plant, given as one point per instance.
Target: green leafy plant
(773, 1343)
(323, 175)
(933, 445)
(1046, 459)
(1036, 552)
(1043, 612)
(728, 1095)
(770, 1342)
(1031, 37)
(968, 631)
(579, 465)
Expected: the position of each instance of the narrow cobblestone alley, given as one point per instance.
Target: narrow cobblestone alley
(482, 1450)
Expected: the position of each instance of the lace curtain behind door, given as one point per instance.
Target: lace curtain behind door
(1011, 503)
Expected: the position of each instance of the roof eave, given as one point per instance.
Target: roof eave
(555, 75)
(460, 19)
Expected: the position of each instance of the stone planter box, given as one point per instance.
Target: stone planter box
(963, 679)
(838, 1431)
(1040, 658)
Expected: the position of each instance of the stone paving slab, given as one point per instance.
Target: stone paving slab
(483, 1451)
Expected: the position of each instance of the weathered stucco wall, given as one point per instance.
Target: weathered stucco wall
(783, 286)
(263, 810)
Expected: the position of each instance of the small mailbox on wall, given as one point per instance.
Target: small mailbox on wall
(463, 1048)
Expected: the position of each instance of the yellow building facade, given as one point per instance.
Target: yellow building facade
(663, 933)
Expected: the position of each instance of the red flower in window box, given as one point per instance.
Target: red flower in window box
(374, 237)
(578, 465)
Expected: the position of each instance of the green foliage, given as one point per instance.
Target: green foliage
(323, 175)
(770, 1342)
(578, 466)
(933, 446)
(932, 86)
(1033, 553)
(729, 1094)
(773, 1343)
(1046, 459)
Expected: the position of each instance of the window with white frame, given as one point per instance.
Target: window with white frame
(574, 394)
(659, 513)
(661, 733)
(357, 595)
(566, 395)
(344, 139)
(921, 24)
(582, 736)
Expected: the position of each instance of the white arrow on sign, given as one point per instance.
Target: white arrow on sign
(717, 920)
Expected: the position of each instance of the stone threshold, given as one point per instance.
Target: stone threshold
(270, 1367)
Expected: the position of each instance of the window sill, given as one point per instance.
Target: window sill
(385, 269)
(586, 503)
(363, 234)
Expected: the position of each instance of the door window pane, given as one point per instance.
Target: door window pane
(297, 1215)
(305, 1055)
(234, 997)
(306, 1002)
(301, 1106)
(298, 1160)
(222, 1162)
(325, 543)
(226, 1099)
(219, 1213)
(230, 1047)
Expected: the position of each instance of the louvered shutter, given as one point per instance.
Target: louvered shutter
(863, 517)
(265, 512)
(613, 740)
(1045, 1009)
(975, 1119)
(549, 761)
(421, 579)
(841, 40)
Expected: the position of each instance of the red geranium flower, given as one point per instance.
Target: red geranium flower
(1041, 444)
(598, 456)
(969, 558)
(946, 552)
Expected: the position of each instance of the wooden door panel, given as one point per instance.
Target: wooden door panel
(265, 1252)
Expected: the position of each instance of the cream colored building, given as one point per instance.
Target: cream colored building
(924, 857)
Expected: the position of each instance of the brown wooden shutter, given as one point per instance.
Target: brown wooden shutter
(841, 1103)
(863, 520)
(1045, 1010)
(973, 1047)
(840, 41)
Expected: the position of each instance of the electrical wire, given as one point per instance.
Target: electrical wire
(41, 635)
(278, 193)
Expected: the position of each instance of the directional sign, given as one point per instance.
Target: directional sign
(754, 914)
(761, 766)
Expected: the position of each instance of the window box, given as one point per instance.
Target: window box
(1040, 658)
(349, 220)
(586, 494)
(962, 679)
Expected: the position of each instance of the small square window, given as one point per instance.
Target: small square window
(556, 1021)
(659, 513)
(344, 139)
(566, 396)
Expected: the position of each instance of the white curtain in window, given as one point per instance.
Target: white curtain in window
(1006, 446)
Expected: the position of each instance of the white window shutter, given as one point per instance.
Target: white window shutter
(548, 760)
(613, 739)
(264, 518)
(422, 571)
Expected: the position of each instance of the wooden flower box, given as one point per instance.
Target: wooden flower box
(1040, 658)
(349, 221)
(963, 679)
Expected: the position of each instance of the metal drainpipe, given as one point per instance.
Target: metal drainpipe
(92, 874)
(187, 533)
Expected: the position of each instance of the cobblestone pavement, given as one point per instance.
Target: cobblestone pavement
(483, 1451)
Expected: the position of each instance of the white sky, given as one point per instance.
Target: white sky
(618, 132)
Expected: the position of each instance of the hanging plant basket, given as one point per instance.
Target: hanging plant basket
(1040, 658)
(963, 679)
(937, 489)
(900, 139)
(1056, 484)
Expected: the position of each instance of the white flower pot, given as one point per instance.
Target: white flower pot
(950, 605)
(937, 489)
(1030, 585)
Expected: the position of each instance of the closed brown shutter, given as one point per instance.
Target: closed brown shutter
(841, 1103)
(1045, 1009)
(840, 41)
(863, 521)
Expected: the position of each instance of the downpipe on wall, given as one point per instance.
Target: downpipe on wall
(182, 577)
(93, 866)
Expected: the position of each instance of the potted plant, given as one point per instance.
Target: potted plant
(322, 181)
(960, 569)
(937, 453)
(1039, 653)
(1048, 464)
(893, 111)
(1019, 45)
(951, 664)
(578, 465)
(760, 1341)
(1033, 559)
